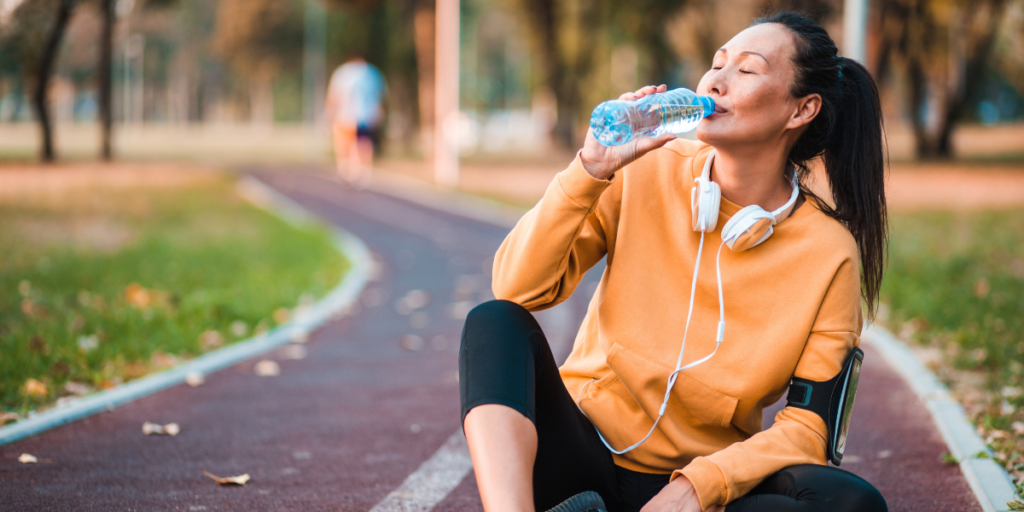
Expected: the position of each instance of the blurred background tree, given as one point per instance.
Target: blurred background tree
(943, 51)
(531, 70)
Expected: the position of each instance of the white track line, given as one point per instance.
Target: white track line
(432, 481)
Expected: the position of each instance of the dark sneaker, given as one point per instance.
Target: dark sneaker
(586, 501)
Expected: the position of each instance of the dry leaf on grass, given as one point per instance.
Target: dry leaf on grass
(77, 388)
(35, 387)
(170, 429)
(211, 339)
(8, 417)
(27, 459)
(267, 368)
(228, 480)
(194, 379)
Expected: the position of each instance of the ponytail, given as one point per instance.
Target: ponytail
(847, 134)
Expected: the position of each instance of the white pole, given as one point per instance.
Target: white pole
(446, 91)
(855, 26)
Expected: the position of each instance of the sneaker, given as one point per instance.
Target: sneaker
(586, 501)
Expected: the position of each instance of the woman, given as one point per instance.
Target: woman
(539, 435)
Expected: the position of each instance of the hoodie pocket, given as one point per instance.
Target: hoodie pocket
(637, 384)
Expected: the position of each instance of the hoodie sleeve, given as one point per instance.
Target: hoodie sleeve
(544, 257)
(798, 436)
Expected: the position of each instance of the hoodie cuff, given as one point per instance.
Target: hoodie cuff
(707, 479)
(579, 186)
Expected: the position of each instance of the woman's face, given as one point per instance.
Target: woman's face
(750, 80)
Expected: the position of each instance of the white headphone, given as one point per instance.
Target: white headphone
(748, 228)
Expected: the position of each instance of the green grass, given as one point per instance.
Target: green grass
(955, 283)
(206, 260)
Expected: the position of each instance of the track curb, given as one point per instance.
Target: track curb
(338, 300)
(988, 480)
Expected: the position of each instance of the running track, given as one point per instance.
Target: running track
(343, 428)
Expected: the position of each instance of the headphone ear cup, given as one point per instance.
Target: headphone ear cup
(748, 228)
(714, 203)
(705, 198)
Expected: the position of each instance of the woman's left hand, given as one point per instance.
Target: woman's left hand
(678, 496)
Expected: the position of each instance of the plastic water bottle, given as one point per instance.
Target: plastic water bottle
(617, 122)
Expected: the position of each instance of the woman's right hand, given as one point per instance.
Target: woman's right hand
(602, 161)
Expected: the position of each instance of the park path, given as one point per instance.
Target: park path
(344, 427)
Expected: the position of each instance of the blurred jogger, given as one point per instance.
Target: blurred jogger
(354, 109)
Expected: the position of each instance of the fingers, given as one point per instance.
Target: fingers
(645, 145)
(643, 91)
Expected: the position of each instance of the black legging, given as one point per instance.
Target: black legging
(505, 359)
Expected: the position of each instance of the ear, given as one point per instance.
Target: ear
(807, 109)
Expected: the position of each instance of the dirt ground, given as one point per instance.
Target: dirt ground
(21, 180)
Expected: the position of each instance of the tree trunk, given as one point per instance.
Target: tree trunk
(105, 83)
(423, 38)
(46, 65)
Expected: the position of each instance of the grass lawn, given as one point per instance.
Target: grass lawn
(955, 286)
(104, 284)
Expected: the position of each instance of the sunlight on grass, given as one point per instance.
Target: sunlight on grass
(103, 285)
(955, 286)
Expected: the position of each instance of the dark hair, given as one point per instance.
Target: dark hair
(847, 133)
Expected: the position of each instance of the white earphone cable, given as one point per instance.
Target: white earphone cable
(672, 377)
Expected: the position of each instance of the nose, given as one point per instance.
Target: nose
(717, 82)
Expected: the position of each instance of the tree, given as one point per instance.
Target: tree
(260, 39)
(38, 29)
(943, 46)
(104, 80)
(564, 36)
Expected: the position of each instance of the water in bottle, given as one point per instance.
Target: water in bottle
(617, 122)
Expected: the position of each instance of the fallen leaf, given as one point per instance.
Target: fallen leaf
(33, 310)
(59, 370)
(170, 429)
(295, 352)
(460, 310)
(299, 335)
(239, 328)
(282, 315)
(411, 342)
(37, 345)
(228, 480)
(8, 417)
(87, 343)
(211, 339)
(981, 288)
(37, 388)
(267, 368)
(134, 369)
(136, 295)
(27, 459)
(162, 360)
(194, 379)
(76, 388)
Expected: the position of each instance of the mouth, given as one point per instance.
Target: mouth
(719, 110)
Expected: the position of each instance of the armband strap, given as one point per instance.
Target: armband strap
(832, 400)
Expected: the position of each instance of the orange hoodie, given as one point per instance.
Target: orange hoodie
(792, 307)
